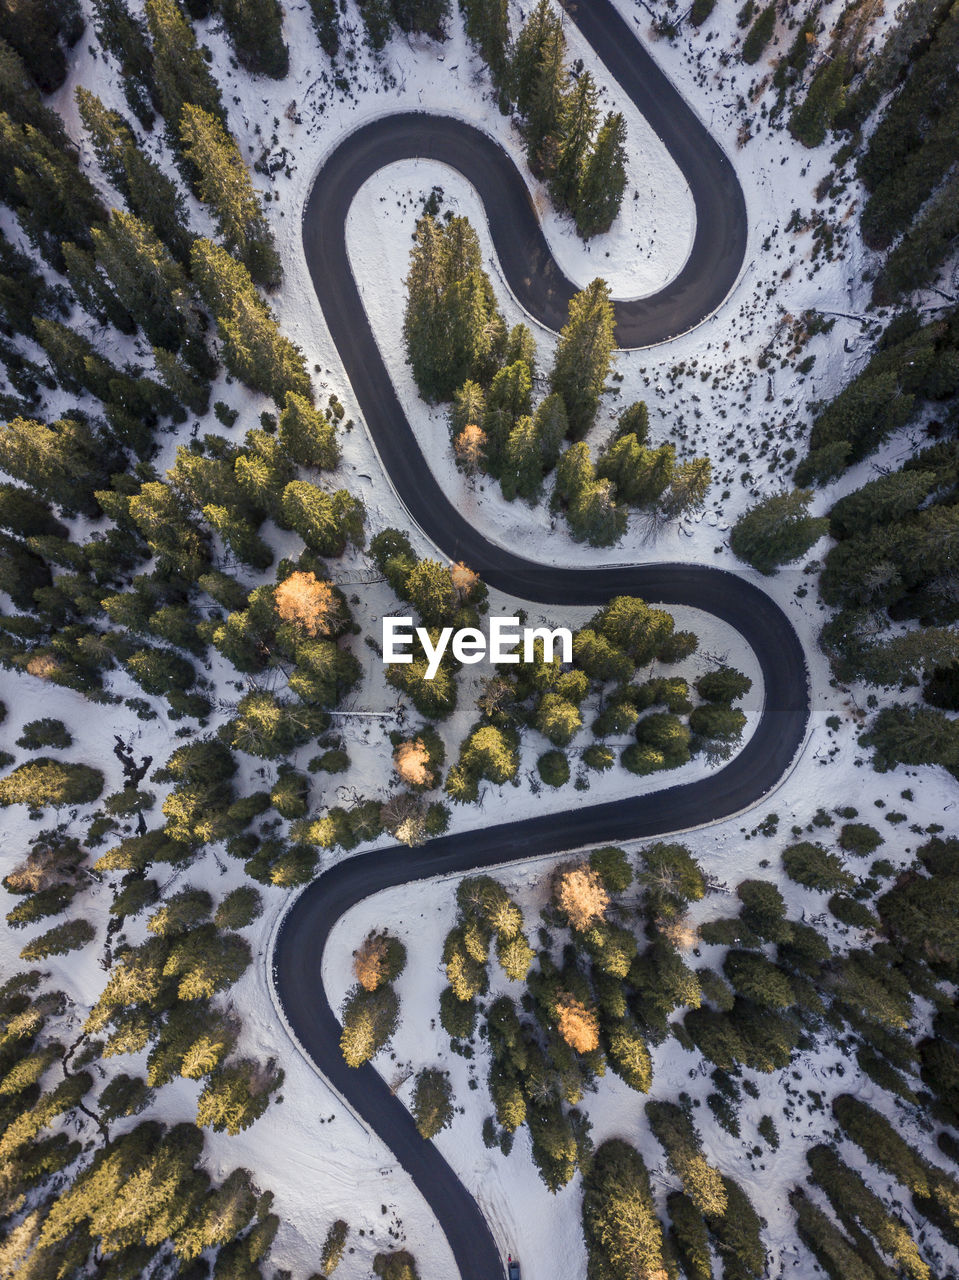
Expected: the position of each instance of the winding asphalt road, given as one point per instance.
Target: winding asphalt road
(704, 282)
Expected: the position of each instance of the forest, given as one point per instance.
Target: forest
(198, 571)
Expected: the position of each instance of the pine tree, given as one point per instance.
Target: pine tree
(428, 16)
(223, 182)
(487, 26)
(124, 36)
(60, 940)
(509, 398)
(690, 1236)
(21, 100)
(124, 1096)
(92, 290)
(39, 30)
(432, 1102)
(543, 127)
(181, 379)
(150, 285)
(256, 29)
(40, 179)
(688, 487)
(326, 522)
(255, 350)
(469, 407)
(603, 179)
(369, 1020)
(236, 1096)
(620, 1226)
(326, 21)
(377, 18)
(63, 463)
(583, 356)
(641, 475)
(400, 1265)
(24, 293)
(777, 531)
(308, 435)
(452, 328)
(182, 75)
(576, 125)
(150, 194)
(333, 1246)
(528, 53)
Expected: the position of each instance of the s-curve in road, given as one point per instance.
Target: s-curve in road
(705, 280)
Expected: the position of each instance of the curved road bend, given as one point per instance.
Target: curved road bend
(705, 280)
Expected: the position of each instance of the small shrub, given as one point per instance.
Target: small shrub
(45, 733)
(553, 768)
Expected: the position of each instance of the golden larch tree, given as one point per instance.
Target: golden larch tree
(412, 763)
(578, 1025)
(369, 962)
(464, 580)
(303, 599)
(468, 446)
(580, 893)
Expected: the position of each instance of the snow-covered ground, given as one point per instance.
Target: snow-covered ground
(316, 1157)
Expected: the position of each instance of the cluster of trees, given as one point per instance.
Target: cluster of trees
(426, 16)
(582, 160)
(160, 996)
(709, 1204)
(907, 162)
(891, 566)
(910, 157)
(620, 638)
(432, 1101)
(459, 349)
(914, 363)
(372, 1009)
(486, 912)
(622, 1232)
(934, 1193)
(597, 1007)
(66, 1206)
(869, 1223)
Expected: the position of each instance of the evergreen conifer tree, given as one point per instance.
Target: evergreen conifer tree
(150, 194)
(223, 182)
(603, 179)
(583, 356)
(182, 75)
(256, 29)
(452, 328)
(255, 350)
(124, 35)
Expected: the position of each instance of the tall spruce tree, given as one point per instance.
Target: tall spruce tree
(576, 124)
(182, 74)
(452, 328)
(583, 356)
(150, 194)
(223, 183)
(254, 349)
(256, 29)
(603, 179)
(777, 530)
(124, 35)
(487, 26)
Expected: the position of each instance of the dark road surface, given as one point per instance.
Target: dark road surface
(708, 275)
